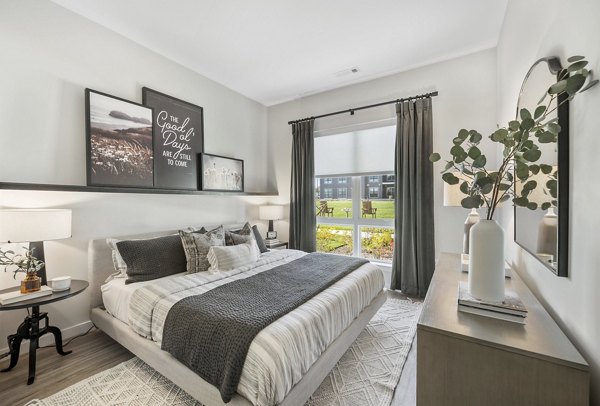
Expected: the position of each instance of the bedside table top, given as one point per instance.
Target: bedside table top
(77, 286)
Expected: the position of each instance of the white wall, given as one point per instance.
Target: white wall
(467, 98)
(533, 29)
(49, 55)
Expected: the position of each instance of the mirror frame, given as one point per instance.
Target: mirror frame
(562, 269)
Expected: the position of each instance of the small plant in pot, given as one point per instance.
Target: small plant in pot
(487, 188)
(23, 263)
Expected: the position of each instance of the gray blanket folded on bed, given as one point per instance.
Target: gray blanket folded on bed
(212, 332)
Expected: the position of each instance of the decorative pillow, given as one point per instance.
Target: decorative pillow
(230, 257)
(241, 236)
(153, 258)
(196, 246)
(259, 240)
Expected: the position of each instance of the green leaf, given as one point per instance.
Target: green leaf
(546, 205)
(575, 58)
(525, 114)
(547, 138)
(558, 87)
(471, 202)
(527, 124)
(463, 134)
(522, 170)
(574, 83)
(546, 169)
(434, 157)
(521, 201)
(554, 128)
(449, 165)
(590, 85)
(530, 185)
(474, 152)
(480, 161)
(532, 206)
(487, 188)
(509, 176)
(534, 169)
(457, 150)
(475, 138)
(532, 155)
(551, 184)
(577, 66)
(450, 179)
(464, 187)
(457, 141)
(539, 111)
(503, 186)
(514, 125)
(504, 198)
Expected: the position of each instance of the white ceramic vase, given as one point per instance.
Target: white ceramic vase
(486, 261)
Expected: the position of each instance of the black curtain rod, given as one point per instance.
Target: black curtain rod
(351, 111)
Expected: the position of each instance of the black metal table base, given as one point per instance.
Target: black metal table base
(30, 330)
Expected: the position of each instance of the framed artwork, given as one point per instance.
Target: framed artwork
(178, 139)
(221, 173)
(119, 141)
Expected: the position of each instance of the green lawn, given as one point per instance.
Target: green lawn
(385, 208)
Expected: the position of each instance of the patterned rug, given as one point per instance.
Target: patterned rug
(367, 373)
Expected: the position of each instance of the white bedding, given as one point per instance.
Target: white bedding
(280, 354)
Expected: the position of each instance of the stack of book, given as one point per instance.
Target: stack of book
(271, 242)
(510, 309)
(16, 296)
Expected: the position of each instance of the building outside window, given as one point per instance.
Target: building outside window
(342, 193)
(373, 178)
(342, 180)
(327, 193)
(373, 192)
(328, 181)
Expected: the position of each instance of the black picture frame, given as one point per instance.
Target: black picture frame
(118, 155)
(218, 184)
(178, 139)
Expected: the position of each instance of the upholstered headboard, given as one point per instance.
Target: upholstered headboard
(100, 265)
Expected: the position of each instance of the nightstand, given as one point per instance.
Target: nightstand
(30, 328)
(278, 246)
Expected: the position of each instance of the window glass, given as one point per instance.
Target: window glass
(377, 243)
(335, 239)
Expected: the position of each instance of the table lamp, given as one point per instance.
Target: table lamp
(452, 198)
(270, 212)
(35, 226)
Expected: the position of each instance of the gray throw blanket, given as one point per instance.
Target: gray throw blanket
(212, 332)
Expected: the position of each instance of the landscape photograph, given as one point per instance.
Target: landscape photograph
(119, 142)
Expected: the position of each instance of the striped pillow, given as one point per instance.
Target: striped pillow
(196, 246)
(233, 256)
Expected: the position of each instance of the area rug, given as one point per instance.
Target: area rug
(367, 373)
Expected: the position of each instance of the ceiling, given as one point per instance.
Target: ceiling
(273, 51)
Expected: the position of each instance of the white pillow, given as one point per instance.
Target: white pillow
(226, 258)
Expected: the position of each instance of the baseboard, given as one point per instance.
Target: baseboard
(48, 339)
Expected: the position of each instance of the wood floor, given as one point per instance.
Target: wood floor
(96, 352)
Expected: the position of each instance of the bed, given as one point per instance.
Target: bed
(325, 327)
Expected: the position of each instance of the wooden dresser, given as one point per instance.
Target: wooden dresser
(465, 359)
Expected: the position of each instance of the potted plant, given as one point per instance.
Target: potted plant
(25, 263)
(488, 188)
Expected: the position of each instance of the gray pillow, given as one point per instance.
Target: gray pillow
(259, 240)
(152, 258)
(196, 246)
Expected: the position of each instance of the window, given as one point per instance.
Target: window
(355, 207)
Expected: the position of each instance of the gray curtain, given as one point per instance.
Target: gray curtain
(414, 248)
(303, 221)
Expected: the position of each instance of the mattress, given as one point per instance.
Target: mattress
(281, 353)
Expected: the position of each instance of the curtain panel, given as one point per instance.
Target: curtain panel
(303, 221)
(413, 262)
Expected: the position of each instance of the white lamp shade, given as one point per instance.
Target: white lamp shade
(27, 225)
(270, 212)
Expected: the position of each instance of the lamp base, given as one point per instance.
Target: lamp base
(471, 220)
